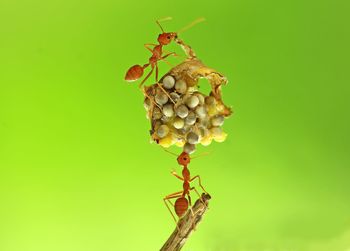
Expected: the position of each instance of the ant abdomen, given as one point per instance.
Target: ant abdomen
(134, 73)
(181, 206)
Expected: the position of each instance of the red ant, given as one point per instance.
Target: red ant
(135, 72)
(181, 204)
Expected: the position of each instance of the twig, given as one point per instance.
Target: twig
(187, 224)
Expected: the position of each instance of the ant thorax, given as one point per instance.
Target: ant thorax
(186, 173)
(157, 51)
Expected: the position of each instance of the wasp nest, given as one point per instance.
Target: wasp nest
(182, 115)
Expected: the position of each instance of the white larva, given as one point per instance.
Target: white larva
(216, 131)
(189, 148)
(161, 98)
(217, 120)
(200, 98)
(203, 131)
(210, 101)
(162, 131)
(157, 124)
(180, 86)
(168, 82)
(168, 110)
(201, 111)
(174, 96)
(178, 123)
(184, 130)
(165, 119)
(192, 101)
(191, 118)
(205, 122)
(181, 111)
(192, 138)
(157, 114)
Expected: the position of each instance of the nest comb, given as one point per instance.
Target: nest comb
(179, 113)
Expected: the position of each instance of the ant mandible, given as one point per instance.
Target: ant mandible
(135, 72)
(182, 204)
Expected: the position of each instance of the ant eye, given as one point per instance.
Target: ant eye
(185, 158)
(168, 37)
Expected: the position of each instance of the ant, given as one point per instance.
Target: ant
(135, 72)
(182, 204)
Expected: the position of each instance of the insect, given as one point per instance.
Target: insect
(135, 72)
(182, 203)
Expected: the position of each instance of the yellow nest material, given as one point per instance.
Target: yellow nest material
(181, 115)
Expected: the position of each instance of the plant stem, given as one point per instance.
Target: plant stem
(187, 224)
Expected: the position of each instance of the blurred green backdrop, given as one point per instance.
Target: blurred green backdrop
(77, 171)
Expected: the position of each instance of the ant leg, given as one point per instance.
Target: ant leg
(199, 182)
(193, 188)
(147, 46)
(168, 63)
(151, 99)
(200, 197)
(144, 92)
(166, 93)
(174, 54)
(166, 204)
(167, 199)
(190, 205)
(156, 73)
(166, 51)
(172, 204)
(161, 87)
(172, 215)
(176, 175)
(169, 54)
(170, 196)
(144, 80)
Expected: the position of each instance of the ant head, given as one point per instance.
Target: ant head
(166, 37)
(184, 159)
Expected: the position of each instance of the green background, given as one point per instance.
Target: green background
(77, 171)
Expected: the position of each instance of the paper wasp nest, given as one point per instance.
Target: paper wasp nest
(182, 115)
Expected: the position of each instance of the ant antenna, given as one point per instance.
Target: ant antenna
(201, 155)
(198, 20)
(169, 152)
(161, 20)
